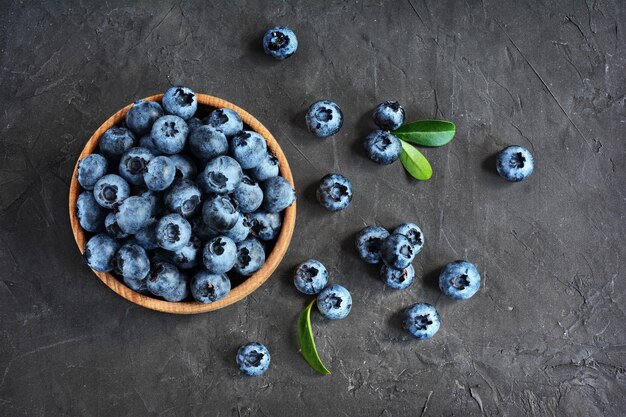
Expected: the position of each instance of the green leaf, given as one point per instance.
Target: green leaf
(414, 162)
(427, 132)
(306, 342)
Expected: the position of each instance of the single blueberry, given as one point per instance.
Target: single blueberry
(181, 292)
(184, 198)
(206, 142)
(163, 279)
(115, 141)
(111, 190)
(250, 257)
(226, 121)
(219, 255)
(324, 118)
(134, 163)
(248, 148)
(180, 101)
(133, 214)
(90, 169)
(253, 359)
(334, 192)
(189, 255)
(397, 251)
(220, 212)
(132, 263)
(515, 163)
(369, 242)
(264, 225)
(397, 278)
(382, 147)
(267, 169)
(142, 116)
(280, 42)
(413, 233)
(389, 115)
(240, 230)
(100, 252)
(112, 228)
(459, 280)
(278, 194)
(421, 320)
(169, 134)
(221, 175)
(310, 277)
(208, 288)
(90, 214)
(334, 302)
(185, 168)
(173, 232)
(249, 195)
(160, 173)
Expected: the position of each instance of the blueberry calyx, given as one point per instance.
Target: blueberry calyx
(185, 99)
(460, 282)
(169, 129)
(422, 322)
(172, 233)
(338, 191)
(517, 160)
(136, 165)
(109, 193)
(310, 273)
(279, 40)
(324, 115)
(218, 179)
(218, 246)
(254, 358)
(244, 258)
(335, 301)
(406, 251)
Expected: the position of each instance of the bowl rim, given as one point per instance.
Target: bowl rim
(240, 291)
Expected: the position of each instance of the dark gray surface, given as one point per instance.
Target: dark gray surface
(545, 336)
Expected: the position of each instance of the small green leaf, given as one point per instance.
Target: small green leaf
(306, 342)
(414, 162)
(427, 132)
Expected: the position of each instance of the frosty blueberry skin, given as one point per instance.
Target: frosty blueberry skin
(253, 359)
(278, 194)
(133, 214)
(164, 278)
(160, 173)
(111, 190)
(169, 134)
(173, 232)
(221, 175)
(142, 116)
(280, 42)
(219, 255)
(132, 263)
(459, 280)
(369, 242)
(90, 169)
(115, 141)
(382, 147)
(206, 142)
(134, 163)
(334, 302)
(310, 277)
(324, 118)
(208, 288)
(413, 233)
(265, 225)
(515, 163)
(398, 279)
(90, 214)
(421, 321)
(180, 101)
(388, 115)
(100, 252)
(334, 192)
(397, 251)
(226, 121)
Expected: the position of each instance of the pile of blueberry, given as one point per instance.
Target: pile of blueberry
(175, 203)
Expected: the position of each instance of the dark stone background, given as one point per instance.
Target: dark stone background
(545, 336)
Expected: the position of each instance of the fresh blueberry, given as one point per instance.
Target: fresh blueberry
(133, 214)
(240, 230)
(180, 101)
(382, 147)
(201, 229)
(146, 237)
(194, 123)
(221, 175)
(112, 228)
(334, 302)
(181, 292)
(515, 163)
(226, 121)
(111, 190)
(142, 116)
(389, 115)
(249, 195)
(206, 142)
(160, 173)
(189, 255)
(369, 242)
(278, 194)
(100, 252)
(248, 148)
(163, 279)
(310, 277)
(267, 169)
(115, 141)
(173, 232)
(185, 168)
(413, 233)
(459, 280)
(207, 288)
(280, 42)
(132, 263)
(184, 198)
(421, 320)
(90, 214)
(219, 255)
(220, 212)
(253, 359)
(250, 257)
(156, 202)
(146, 142)
(397, 251)
(264, 225)
(90, 169)
(324, 118)
(169, 134)
(398, 278)
(334, 192)
(134, 163)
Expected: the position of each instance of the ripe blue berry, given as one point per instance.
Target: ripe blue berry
(253, 359)
(459, 280)
(334, 192)
(280, 42)
(324, 118)
(421, 321)
(334, 302)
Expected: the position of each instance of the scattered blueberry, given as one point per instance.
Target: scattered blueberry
(264, 225)
(221, 175)
(250, 257)
(169, 134)
(334, 302)
(397, 251)
(249, 195)
(164, 278)
(382, 147)
(115, 141)
(112, 228)
(208, 288)
(160, 173)
(226, 121)
(134, 163)
(389, 115)
(397, 278)
(90, 214)
(253, 359)
(421, 320)
(369, 242)
(90, 169)
(267, 169)
(173, 232)
(248, 148)
(100, 252)
(184, 198)
(180, 101)
(515, 163)
(133, 214)
(280, 42)
(310, 277)
(132, 263)
(219, 255)
(111, 190)
(278, 194)
(142, 116)
(220, 212)
(207, 142)
(459, 280)
(334, 192)
(324, 118)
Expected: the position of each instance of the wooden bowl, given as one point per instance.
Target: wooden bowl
(238, 292)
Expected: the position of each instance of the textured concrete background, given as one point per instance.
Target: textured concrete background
(545, 336)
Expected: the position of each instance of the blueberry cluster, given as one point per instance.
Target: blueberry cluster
(333, 301)
(175, 203)
(380, 145)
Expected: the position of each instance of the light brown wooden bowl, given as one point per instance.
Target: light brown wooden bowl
(238, 292)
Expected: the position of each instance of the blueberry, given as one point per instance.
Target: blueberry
(240, 230)
(413, 233)
(155, 200)
(278, 194)
(397, 251)
(146, 237)
(132, 263)
(221, 175)
(267, 169)
(310, 277)
(160, 173)
(90, 214)
(324, 118)
(206, 142)
(334, 302)
(134, 163)
(264, 225)
(459, 280)
(249, 195)
(226, 121)
(334, 192)
(207, 288)
(382, 147)
(112, 228)
(248, 148)
(90, 169)
(115, 141)
(185, 168)
(163, 279)
(194, 123)
(397, 278)
(169, 134)
(100, 252)
(146, 142)
(369, 242)
(515, 163)
(201, 229)
(181, 292)
(220, 212)
(253, 359)
(421, 320)
(180, 101)
(250, 257)
(111, 190)
(389, 115)
(184, 198)
(133, 214)
(219, 255)
(189, 255)
(173, 232)
(142, 116)
(280, 42)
